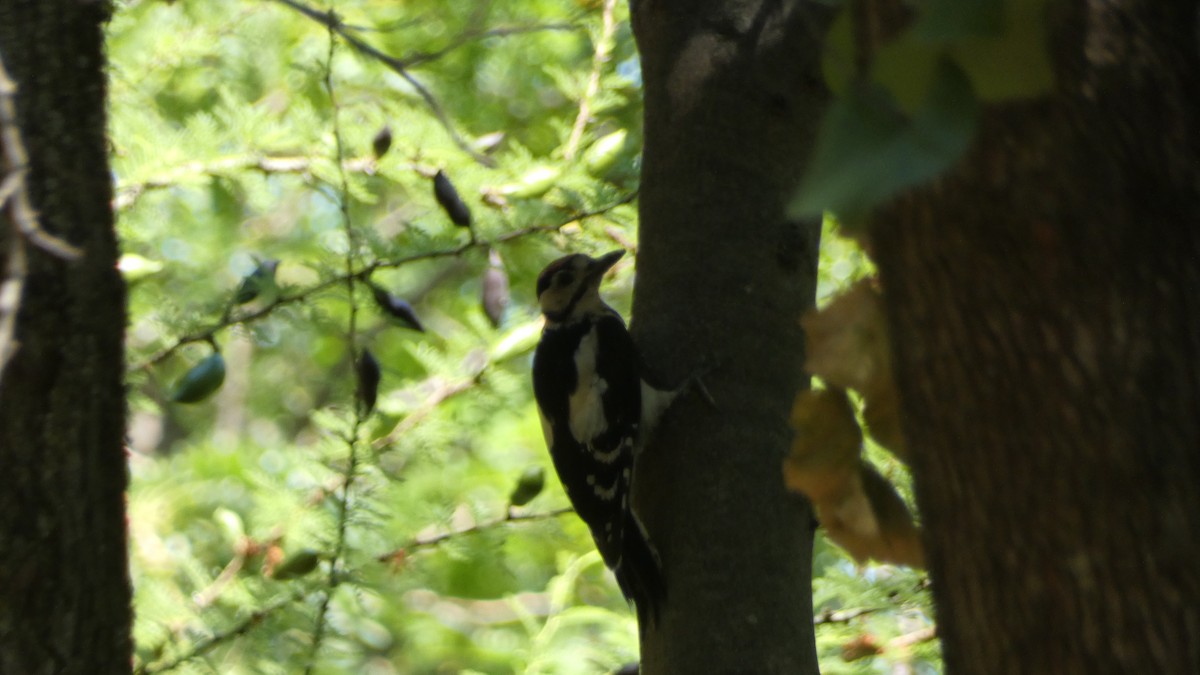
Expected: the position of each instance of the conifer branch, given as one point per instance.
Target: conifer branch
(304, 294)
(600, 59)
(333, 23)
(302, 591)
(400, 554)
(207, 644)
(360, 412)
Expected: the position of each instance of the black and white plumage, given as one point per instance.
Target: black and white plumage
(595, 409)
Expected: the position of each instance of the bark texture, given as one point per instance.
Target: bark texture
(64, 582)
(1044, 301)
(733, 94)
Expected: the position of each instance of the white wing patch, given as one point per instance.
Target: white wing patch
(607, 494)
(547, 428)
(612, 455)
(587, 401)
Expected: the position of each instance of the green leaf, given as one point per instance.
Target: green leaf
(201, 381)
(867, 151)
(603, 154)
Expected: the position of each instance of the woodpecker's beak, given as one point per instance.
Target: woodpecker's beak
(605, 262)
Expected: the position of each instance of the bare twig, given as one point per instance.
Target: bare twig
(17, 161)
(510, 517)
(603, 53)
(843, 616)
(25, 226)
(914, 638)
(333, 23)
(210, 593)
(304, 294)
(10, 299)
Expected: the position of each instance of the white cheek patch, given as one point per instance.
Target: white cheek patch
(587, 401)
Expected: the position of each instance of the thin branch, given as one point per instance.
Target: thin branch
(438, 539)
(299, 593)
(23, 218)
(604, 45)
(441, 394)
(469, 36)
(214, 640)
(128, 194)
(207, 334)
(843, 616)
(11, 290)
(916, 637)
(17, 161)
(348, 477)
(334, 24)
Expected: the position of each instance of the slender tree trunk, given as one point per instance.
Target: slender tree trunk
(64, 583)
(733, 94)
(1044, 303)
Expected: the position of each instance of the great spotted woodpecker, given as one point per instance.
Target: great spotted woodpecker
(595, 410)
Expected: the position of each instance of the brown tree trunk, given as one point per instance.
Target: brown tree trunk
(64, 582)
(1044, 302)
(733, 95)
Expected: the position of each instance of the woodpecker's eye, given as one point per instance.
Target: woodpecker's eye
(564, 279)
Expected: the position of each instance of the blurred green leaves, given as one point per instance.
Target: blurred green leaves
(868, 150)
(914, 112)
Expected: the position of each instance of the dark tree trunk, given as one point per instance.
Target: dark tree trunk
(1044, 302)
(64, 582)
(733, 94)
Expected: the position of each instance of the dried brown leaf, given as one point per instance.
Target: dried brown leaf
(847, 340)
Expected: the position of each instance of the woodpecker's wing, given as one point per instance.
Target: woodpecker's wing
(589, 394)
(588, 388)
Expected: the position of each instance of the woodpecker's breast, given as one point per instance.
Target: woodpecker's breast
(586, 381)
(586, 402)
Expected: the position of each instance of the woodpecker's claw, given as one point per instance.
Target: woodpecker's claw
(696, 381)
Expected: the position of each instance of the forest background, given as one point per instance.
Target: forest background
(229, 124)
(327, 224)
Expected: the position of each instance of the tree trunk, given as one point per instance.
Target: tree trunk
(732, 96)
(1044, 302)
(64, 582)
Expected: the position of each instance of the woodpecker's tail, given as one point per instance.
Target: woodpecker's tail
(640, 573)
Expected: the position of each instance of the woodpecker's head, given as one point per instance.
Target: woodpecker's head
(569, 287)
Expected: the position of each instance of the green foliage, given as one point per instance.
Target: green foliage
(913, 114)
(276, 525)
